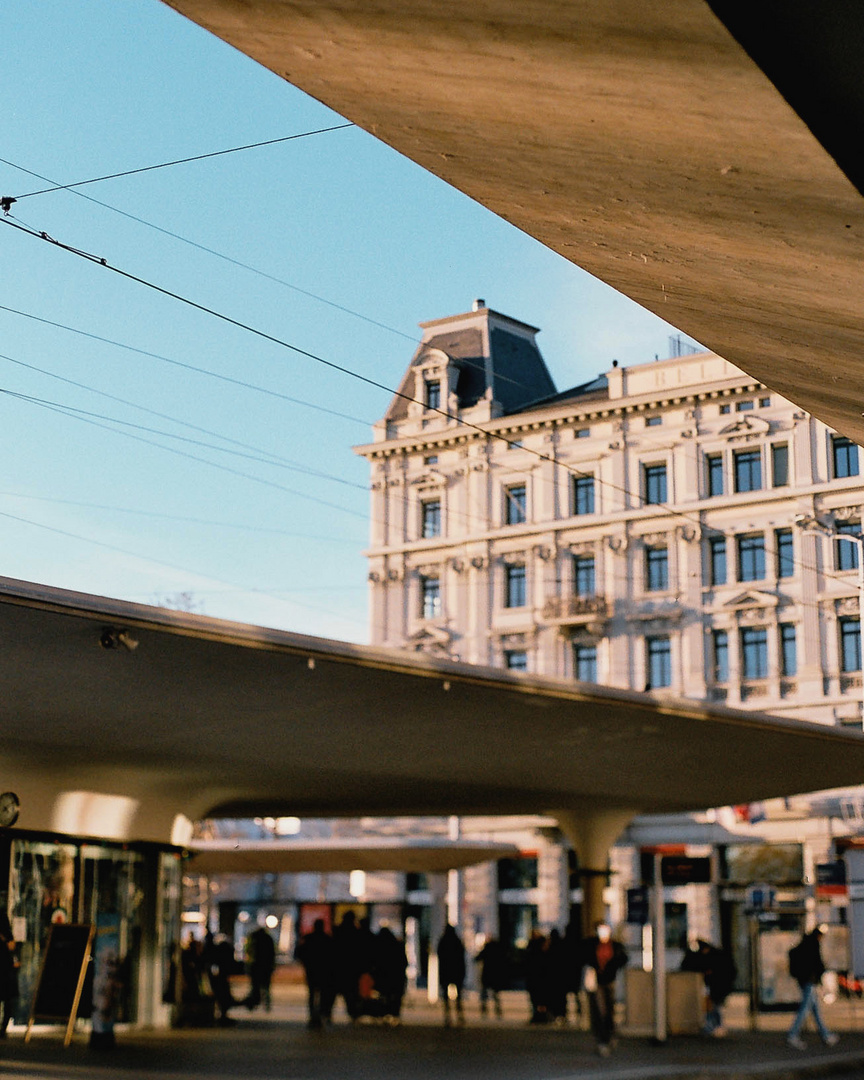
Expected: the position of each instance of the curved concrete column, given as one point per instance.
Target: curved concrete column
(592, 833)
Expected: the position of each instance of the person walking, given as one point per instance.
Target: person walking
(8, 972)
(602, 959)
(718, 973)
(807, 968)
(260, 962)
(391, 964)
(493, 975)
(348, 948)
(316, 953)
(536, 966)
(451, 972)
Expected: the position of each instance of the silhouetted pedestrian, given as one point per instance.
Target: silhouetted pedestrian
(493, 974)
(557, 975)
(807, 968)
(316, 953)
(260, 962)
(536, 964)
(348, 962)
(603, 958)
(451, 972)
(391, 963)
(219, 962)
(718, 972)
(8, 972)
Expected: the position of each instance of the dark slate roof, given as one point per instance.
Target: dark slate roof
(593, 389)
(519, 372)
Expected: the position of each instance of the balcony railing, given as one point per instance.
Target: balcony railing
(850, 682)
(575, 609)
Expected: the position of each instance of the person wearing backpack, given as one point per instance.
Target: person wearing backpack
(807, 968)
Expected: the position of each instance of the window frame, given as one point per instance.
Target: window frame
(515, 585)
(580, 568)
(776, 449)
(510, 654)
(655, 474)
(845, 552)
(584, 490)
(748, 546)
(584, 654)
(431, 518)
(849, 449)
(656, 578)
(754, 653)
(430, 596)
(713, 472)
(753, 461)
(717, 550)
(849, 631)
(431, 393)
(658, 647)
(784, 553)
(788, 634)
(720, 648)
(515, 511)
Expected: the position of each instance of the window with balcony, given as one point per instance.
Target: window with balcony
(844, 456)
(850, 644)
(583, 494)
(515, 504)
(845, 551)
(515, 592)
(714, 475)
(717, 560)
(785, 547)
(432, 393)
(585, 663)
(754, 652)
(656, 568)
(748, 470)
(654, 481)
(430, 597)
(658, 661)
(720, 656)
(788, 650)
(780, 464)
(430, 518)
(516, 660)
(584, 579)
(751, 557)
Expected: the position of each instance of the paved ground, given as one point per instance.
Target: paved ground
(277, 1046)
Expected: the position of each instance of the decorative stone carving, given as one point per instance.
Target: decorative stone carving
(846, 513)
(847, 605)
(480, 562)
(542, 552)
(396, 575)
(617, 544)
(458, 565)
(374, 576)
(688, 533)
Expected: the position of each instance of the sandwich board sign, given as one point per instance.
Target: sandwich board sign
(61, 976)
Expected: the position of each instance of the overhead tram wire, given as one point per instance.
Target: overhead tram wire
(245, 266)
(182, 161)
(342, 369)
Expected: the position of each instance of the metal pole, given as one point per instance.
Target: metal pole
(659, 959)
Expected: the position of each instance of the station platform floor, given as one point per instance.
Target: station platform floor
(278, 1046)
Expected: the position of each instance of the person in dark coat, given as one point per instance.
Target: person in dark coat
(493, 974)
(316, 952)
(451, 972)
(807, 968)
(391, 963)
(218, 961)
(718, 972)
(557, 976)
(348, 948)
(536, 966)
(260, 962)
(8, 972)
(602, 959)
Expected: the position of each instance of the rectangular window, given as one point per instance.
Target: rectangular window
(717, 560)
(844, 454)
(430, 518)
(433, 394)
(845, 551)
(653, 421)
(430, 597)
(515, 444)
(656, 568)
(430, 459)
(514, 585)
(785, 553)
(583, 494)
(724, 409)
(850, 644)
(780, 464)
(743, 406)
(751, 557)
(655, 484)
(764, 402)
(720, 657)
(659, 661)
(582, 433)
(515, 504)
(714, 474)
(788, 650)
(585, 663)
(516, 660)
(754, 652)
(583, 575)
(748, 470)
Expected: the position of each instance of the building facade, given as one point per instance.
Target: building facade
(674, 527)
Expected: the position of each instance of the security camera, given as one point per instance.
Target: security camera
(118, 639)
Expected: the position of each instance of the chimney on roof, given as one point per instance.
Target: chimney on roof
(479, 304)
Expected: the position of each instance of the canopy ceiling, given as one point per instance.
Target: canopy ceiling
(207, 717)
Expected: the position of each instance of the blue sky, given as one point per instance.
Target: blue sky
(100, 87)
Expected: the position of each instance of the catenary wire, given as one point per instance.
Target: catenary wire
(341, 368)
(184, 161)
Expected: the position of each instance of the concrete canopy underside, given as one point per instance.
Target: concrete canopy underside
(207, 717)
(640, 141)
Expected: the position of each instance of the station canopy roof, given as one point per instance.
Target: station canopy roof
(704, 158)
(204, 717)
